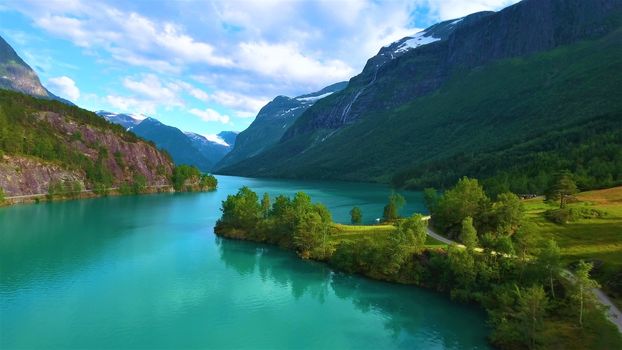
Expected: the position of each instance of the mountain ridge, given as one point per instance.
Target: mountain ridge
(401, 109)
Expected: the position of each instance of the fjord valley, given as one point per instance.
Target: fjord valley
(508, 97)
(463, 190)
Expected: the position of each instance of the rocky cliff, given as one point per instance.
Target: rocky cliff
(44, 142)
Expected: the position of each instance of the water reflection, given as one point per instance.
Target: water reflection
(407, 312)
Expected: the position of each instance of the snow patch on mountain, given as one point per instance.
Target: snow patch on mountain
(207, 138)
(313, 98)
(415, 41)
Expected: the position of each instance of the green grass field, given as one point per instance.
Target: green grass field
(589, 239)
(376, 232)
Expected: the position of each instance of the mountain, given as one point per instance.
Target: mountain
(44, 143)
(229, 137)
(271, 123)
(213, 148)
(509, 96)
(16, 75)
(184, 147)
(174, 141)
(125, 120)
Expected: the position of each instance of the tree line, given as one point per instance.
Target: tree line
(503, 265)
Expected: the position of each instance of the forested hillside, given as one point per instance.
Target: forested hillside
(46, 143)
(511, 97)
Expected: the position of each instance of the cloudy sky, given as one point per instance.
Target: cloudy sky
(208, 66)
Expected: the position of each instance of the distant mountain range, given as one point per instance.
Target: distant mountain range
(184, 147)
(509, 97)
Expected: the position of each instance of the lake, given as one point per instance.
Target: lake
(148, 272)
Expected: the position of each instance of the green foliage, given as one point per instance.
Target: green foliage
(296, 223)
(125, 189)
(392, 209)
(356, 216)
(513, 123)
(507, 213)
(139, 184)
(561, 189)
(23, 133)
(565, 215)
(208, 182)
(466, 199)
(241, 211)
(265, 205)
(505, 277)
(182, 174)
(2, 195)
(64, 189)
(412, 232)
(549, 263)
(581, 292)
(532, 304)
(468, 234)
(430, 198)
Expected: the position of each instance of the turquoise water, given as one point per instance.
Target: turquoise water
(148, 272)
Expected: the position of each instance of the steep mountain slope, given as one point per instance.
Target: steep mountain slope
(213, 149)
(229, 137)
(45, 143)
(271, 123)
(492, 95)
(174, 141)
(184, 147)
(16, 75)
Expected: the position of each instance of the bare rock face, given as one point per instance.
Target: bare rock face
(123, 157)
(26, 176)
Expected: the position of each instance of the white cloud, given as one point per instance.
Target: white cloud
(64, 87)
(245, 106)
(286, 61)
(151, 87)
(449, 9)
(128, 36)
(210, 115)
(131, 105)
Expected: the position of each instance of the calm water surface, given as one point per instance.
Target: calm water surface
(148, 272)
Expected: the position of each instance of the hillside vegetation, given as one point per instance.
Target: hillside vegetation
(45, 143)
(512, 123)
(596, 235)
(516, 277)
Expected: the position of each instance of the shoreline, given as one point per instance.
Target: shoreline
(90, 194)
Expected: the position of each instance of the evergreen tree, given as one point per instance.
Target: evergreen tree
(391, 210)
(468, 234)
(562, 188)
(356, 216)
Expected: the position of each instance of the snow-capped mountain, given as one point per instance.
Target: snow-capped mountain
(127, 121)
(184, 147)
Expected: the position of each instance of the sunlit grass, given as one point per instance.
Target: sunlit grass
(597, 238)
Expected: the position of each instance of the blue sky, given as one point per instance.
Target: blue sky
(208, 66)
